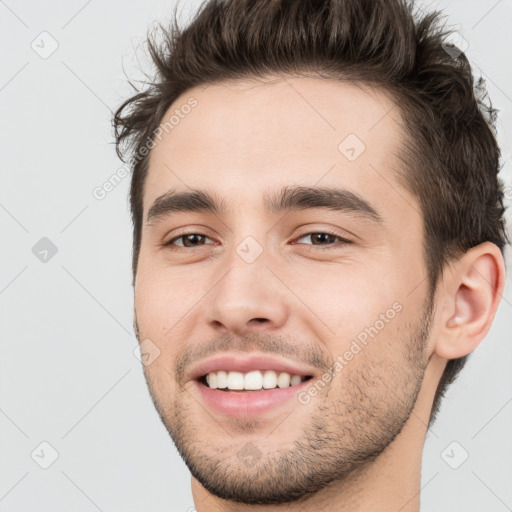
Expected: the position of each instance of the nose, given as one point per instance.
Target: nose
(248, 297)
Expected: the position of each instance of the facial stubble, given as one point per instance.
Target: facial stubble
(348, 425)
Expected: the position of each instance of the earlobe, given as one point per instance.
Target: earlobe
(474, 292)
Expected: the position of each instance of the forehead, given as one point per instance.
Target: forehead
(242, 138)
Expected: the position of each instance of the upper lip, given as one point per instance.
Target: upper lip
(246, 363)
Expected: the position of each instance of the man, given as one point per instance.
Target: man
(318, 237)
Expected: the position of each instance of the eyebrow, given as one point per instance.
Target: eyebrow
(290, 198)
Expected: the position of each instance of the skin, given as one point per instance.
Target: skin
(358, 443)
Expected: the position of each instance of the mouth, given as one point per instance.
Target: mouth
(250, 403)
(251, 382)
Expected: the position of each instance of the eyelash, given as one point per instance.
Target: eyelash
(342, 241)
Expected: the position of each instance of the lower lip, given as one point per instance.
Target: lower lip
(253, 403)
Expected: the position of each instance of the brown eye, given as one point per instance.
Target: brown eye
(190, 240)
(320, 239)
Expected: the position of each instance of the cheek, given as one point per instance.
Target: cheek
(158, 316)
(348, 298)
(162, 298)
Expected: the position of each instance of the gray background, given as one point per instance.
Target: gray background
(68, 373)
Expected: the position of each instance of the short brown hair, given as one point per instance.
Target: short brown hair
(451, 155)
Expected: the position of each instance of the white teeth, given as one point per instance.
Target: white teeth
(252, 381)
(222, 379)
(235, 380)
(269, 379)
(295, 380)
(283, 381)
(211, 378)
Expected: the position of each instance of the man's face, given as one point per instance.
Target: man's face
(308, 286)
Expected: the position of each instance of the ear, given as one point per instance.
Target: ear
(472, 290)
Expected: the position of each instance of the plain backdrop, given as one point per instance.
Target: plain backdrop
(72, 393)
